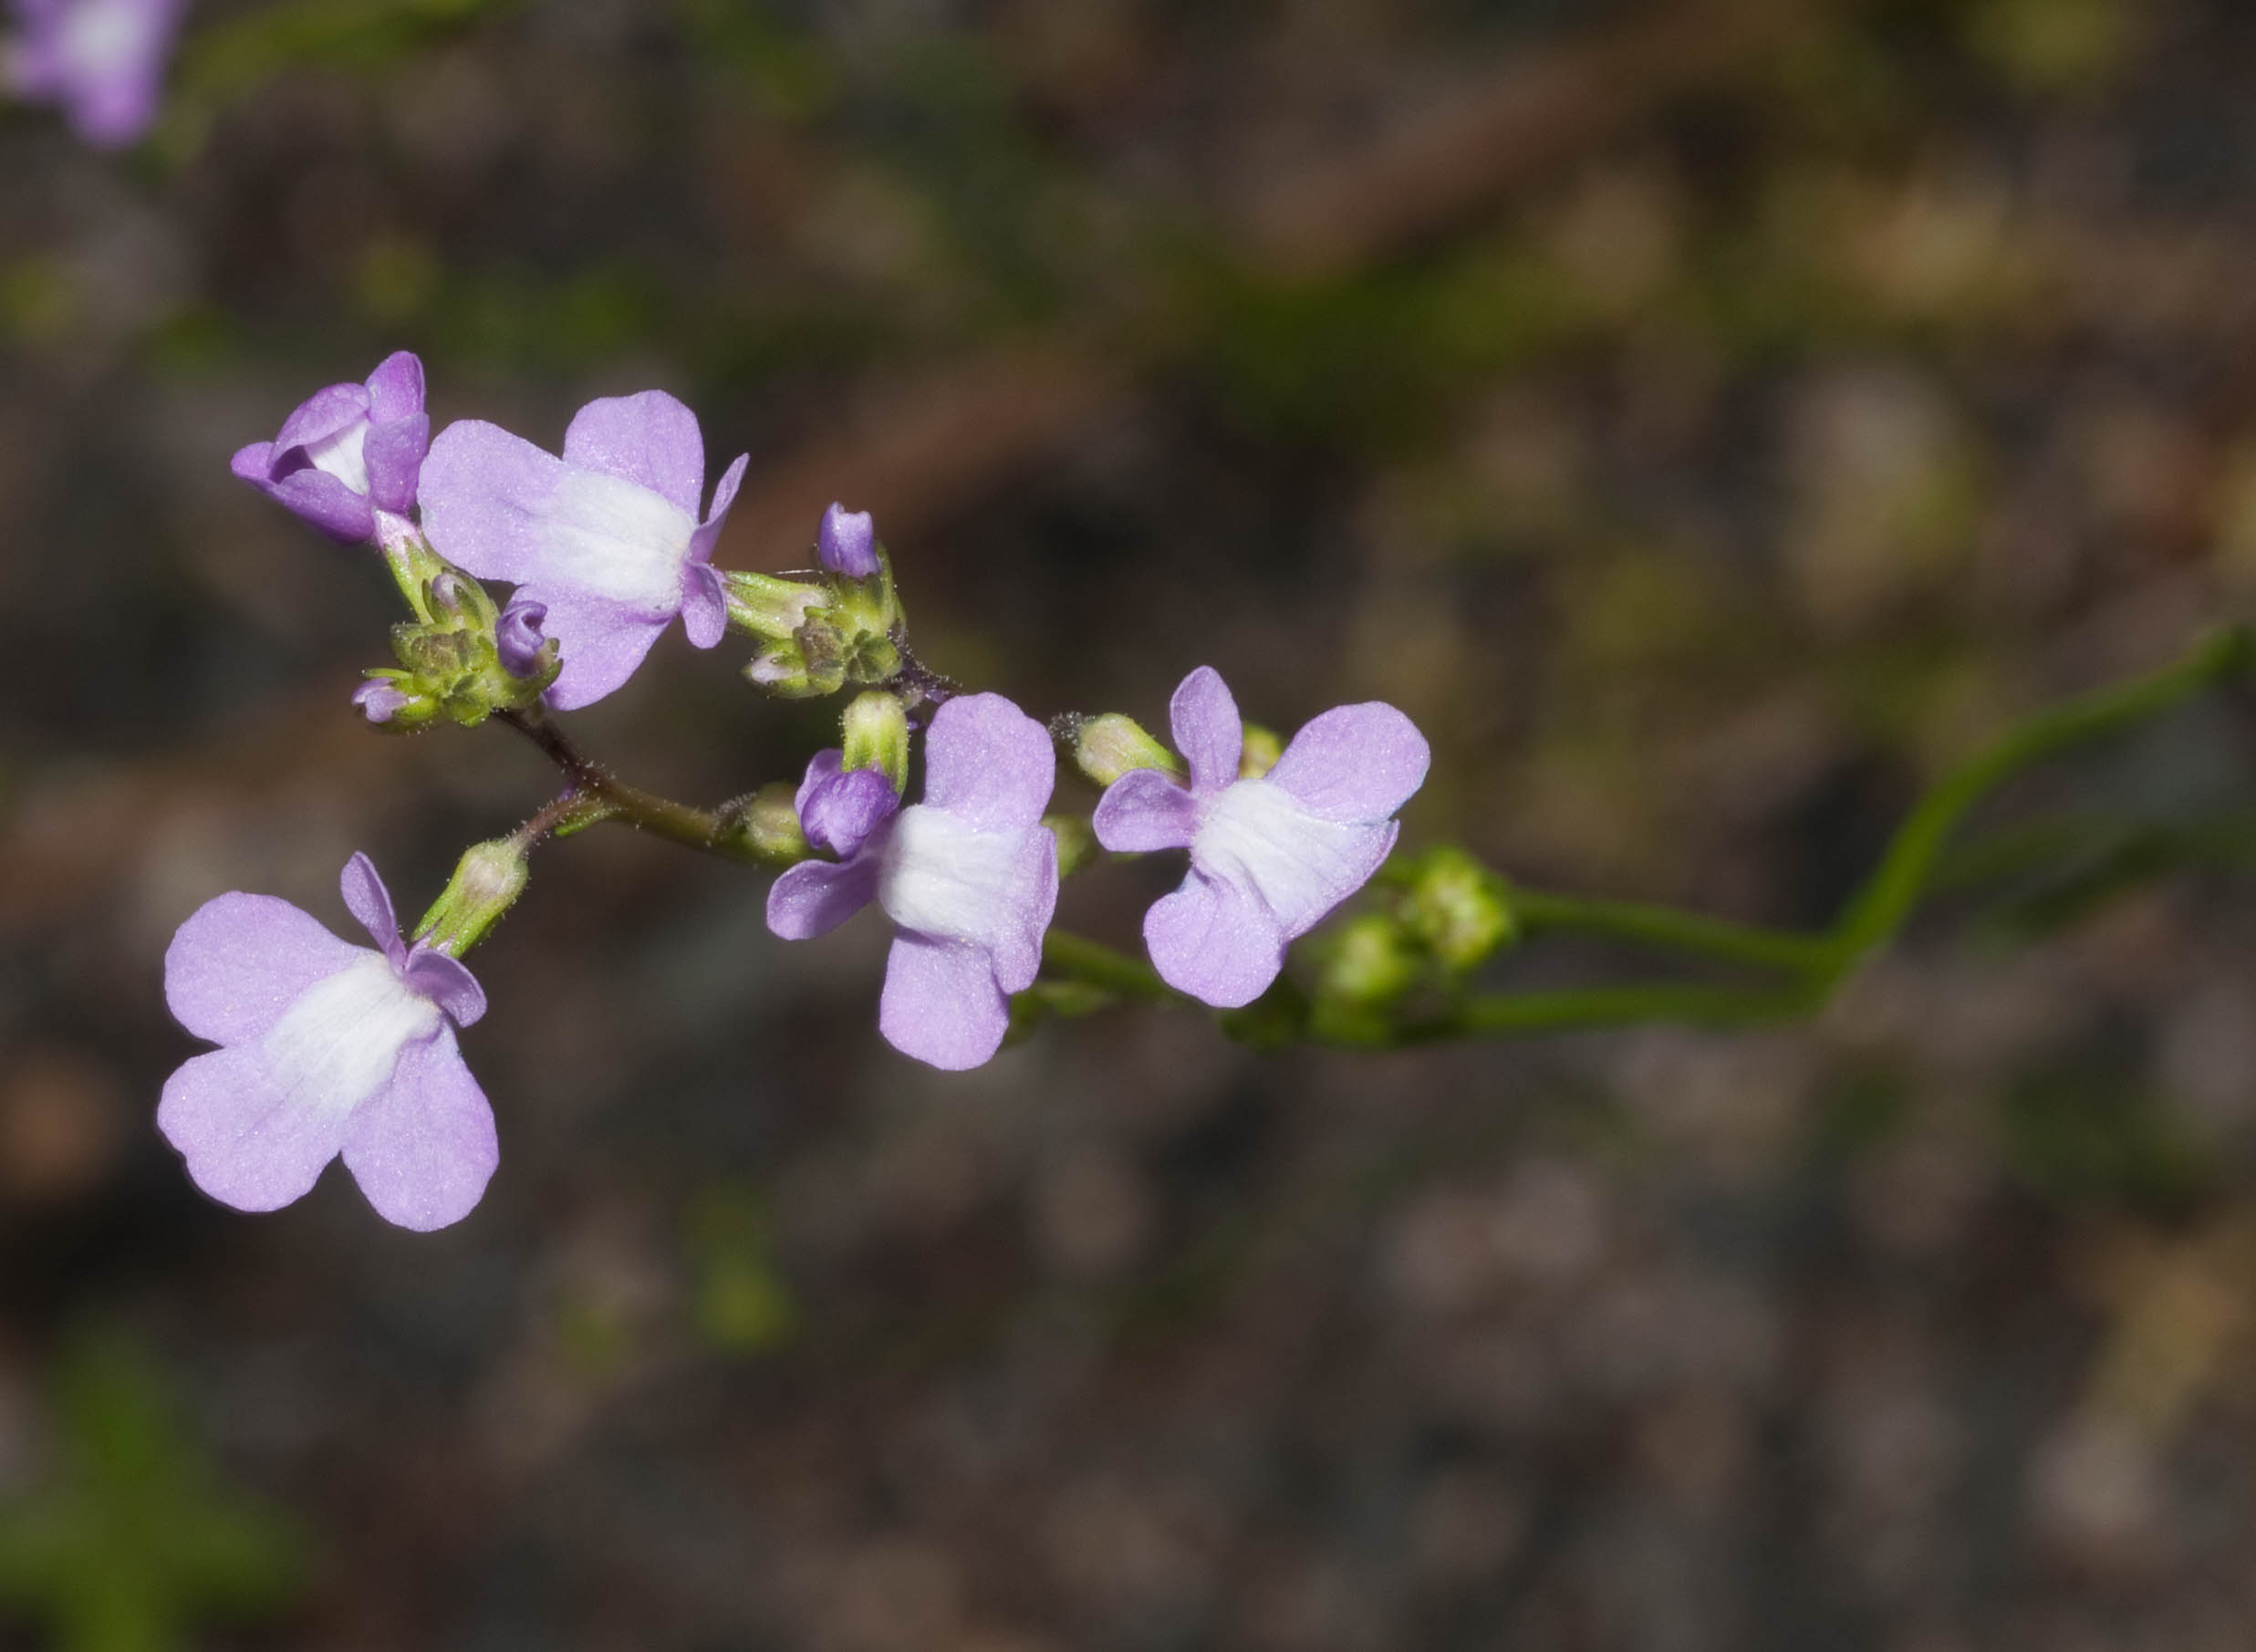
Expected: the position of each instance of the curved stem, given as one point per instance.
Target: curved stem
(1668, 929)
(1879, 908)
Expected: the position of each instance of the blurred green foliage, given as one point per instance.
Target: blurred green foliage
(134, 1540)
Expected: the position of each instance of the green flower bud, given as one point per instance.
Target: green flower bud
(762, 605)
(1107, 746)
(784, 668)
(877, 736)
(487, 881)
(1367, 963)
(1457, 907)
(1260, 753)
(766, 823)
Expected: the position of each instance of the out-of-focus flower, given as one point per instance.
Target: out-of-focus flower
(969, 876)
(348, 456)
(1269, 857)
(327, 1048)
(102, 61)
(606, 539)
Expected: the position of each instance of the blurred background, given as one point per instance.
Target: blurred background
(1706, 418)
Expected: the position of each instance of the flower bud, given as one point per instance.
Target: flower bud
(848, 543)
(1108, 746)
(767, 823)
(388, 701)
(487, 881)
(764, 606)
(1457, 907)
(877, 736)
(517, 639)
(1367, 963)
(781, 667)
(1260, 753)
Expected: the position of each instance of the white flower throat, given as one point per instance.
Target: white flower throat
(943, 876)
(617, 539)
(337, 1046)
(344, 455)
(1258, 836)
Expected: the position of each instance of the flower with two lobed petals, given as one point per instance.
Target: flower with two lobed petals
(606, 538)
(969, 876)
(101, 60)
(348, 458)
(1269, 857)
(327, 1048)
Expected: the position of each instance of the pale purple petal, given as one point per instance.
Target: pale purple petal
(1354, 762)
(1345, 868)
(648, 438)
(941, 1003)
(326, 503)
(241, 960)
(1144, 810)
(1207, 729)
(848, 543)
(423, 1148)
(600, 643)
(482, 492)
(447, 982)
(379, 700)
(1216, 941)
(704, 606)
(815, 897)
(393, 453)
(839, 813)
(988, 763)
(331, 409)
(368, 899)
(1015, 950)
(723, 495)
(395, 389)
(518, 636)
(246, 1144)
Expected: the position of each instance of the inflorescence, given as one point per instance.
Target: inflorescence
(329, 1049)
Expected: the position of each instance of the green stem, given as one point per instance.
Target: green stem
(1586, 1009)
(1880, 910)
(1668, 929)
(1080, 959)
(710, 830)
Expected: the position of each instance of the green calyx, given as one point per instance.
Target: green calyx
(486, 883)
(814, 638)
(448, 665)
(1107, 746)
(875, 735)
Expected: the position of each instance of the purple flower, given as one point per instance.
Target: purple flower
(606, 537)
(101, 60)
(848, 543)
(969, 876)
(326, 1049)
(348, 453)
(1269, 858)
